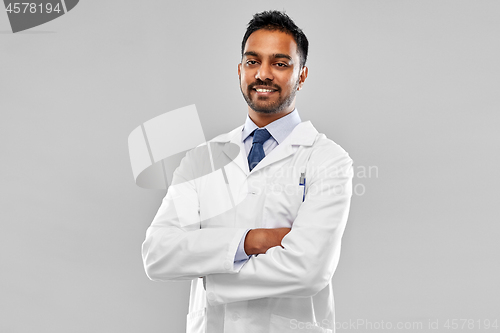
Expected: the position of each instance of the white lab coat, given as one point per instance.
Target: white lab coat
(200, 223)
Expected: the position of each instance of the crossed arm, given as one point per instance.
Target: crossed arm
(258, 241)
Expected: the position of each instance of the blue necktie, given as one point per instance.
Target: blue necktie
(257, 152)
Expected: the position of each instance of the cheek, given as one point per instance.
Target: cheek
(288, 86)
(245, 81)
(292, 81)
(246, 78)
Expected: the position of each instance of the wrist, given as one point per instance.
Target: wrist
(254, 242)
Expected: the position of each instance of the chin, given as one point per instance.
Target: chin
(267, 110)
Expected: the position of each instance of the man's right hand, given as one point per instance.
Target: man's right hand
(258, 241)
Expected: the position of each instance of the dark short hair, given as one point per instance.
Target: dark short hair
(276, 20)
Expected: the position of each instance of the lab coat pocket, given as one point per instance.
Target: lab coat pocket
(280, 324)
(283, 200)
(196, 322)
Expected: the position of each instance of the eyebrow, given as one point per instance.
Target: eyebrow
(276, 55)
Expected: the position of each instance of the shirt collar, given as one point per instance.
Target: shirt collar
(279, 129)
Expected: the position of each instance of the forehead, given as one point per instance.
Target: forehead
(266, 43)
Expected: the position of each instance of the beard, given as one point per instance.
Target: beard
(269, 107)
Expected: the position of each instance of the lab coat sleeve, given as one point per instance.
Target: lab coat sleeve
(175, 247)
(310, 253)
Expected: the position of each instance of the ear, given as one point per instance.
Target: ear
(302, 77)
(239, 70)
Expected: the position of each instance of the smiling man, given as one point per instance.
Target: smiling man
(266, 262)
(271, 72)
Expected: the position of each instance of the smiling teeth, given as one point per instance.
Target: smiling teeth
(264, 90)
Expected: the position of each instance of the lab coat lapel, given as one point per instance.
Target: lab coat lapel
(303, 134)
(234, 137)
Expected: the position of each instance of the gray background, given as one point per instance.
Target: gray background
(409, 88)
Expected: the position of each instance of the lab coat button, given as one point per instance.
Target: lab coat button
(211, 296)
(235, 317)
(228, 265)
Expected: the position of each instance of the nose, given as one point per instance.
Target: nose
(264, 72)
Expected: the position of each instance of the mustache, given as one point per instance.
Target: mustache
(264, 83)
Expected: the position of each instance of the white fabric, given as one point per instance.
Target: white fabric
(285, 290)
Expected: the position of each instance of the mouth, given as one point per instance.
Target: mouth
(264, 90)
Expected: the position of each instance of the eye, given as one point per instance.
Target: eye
(251, 62)
(280, 64)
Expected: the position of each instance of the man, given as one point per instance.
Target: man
(260, 236)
